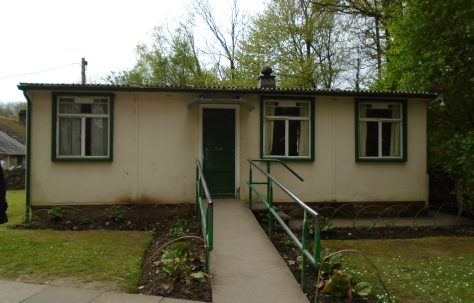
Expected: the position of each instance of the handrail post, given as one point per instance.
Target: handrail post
(210, 220)
(304, 242)
(270, 201)
(317, 241)
(209, 235)
(250, 183)
(197, 193)
(205, 215)
(309, 255)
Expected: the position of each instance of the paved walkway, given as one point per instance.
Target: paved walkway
(16, 292)
(245, 264)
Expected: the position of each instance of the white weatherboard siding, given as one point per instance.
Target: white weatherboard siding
(156, 142)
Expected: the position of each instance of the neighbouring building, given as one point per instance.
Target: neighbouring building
(12, 152)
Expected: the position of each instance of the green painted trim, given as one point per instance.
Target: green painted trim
(26, 218)
(54, 105)
(404, 157)
(230, 90)
(290, 159)
(84, 159)
(111, 128)
(261, 126)
(405, 130)
(312, 128)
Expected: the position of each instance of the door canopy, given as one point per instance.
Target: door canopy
(236, 100)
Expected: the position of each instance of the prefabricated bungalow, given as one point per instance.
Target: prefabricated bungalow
(102, 144)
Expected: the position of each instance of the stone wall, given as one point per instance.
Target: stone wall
(15, 177)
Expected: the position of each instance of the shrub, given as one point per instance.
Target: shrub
(56, 213)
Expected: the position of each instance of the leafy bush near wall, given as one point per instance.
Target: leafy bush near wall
(459, 165)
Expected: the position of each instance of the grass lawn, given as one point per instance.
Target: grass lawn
(438, 269)
(86, 256)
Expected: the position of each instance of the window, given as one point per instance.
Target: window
(381, 130)
(83, 127)
(287, 129)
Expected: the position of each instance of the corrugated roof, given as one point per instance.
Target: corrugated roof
(13, 128)
(10, 146)
(239, 90)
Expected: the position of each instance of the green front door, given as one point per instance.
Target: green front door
(218, 128)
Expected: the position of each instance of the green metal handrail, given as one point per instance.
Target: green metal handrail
(314, 257)
(205, 212)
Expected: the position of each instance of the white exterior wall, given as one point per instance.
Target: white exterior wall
(154, 155)
(156, 141)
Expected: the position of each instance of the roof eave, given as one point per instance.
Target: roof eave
(302, 92)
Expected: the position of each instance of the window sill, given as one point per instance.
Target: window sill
(399, 160)
(83, 159)
(308, 159)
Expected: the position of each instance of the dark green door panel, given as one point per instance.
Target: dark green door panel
(219, 150)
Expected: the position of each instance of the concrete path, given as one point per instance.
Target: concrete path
(245, 264)
(17, 292)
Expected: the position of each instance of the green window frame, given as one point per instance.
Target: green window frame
(287, 128)
(82, 126)
(380, 130)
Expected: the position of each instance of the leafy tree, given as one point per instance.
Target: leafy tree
(368, 22)
(299, 40)
(172, 59)
(432, 50)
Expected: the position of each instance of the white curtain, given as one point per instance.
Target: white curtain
(395, 137)
(69, 130)
(303, 142)
(70, 136)
(99, 136)
(99, 131)
(269, 126)
(362, 133)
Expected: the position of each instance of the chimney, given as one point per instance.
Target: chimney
(266, 80)
(22, 116)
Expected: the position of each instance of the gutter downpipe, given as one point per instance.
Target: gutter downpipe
(26, 218)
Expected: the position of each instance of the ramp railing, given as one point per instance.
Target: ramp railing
(312, 255)
(205, 212)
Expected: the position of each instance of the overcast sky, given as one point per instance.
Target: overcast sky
(42, 35)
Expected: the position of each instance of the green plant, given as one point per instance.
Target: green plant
(175, 263)
(83, 220)
(340, 285)
(332, 263)
(362, 289)
(326, 224)
(116, 213)
(56, 213)
(178, 228)
(416, 227)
